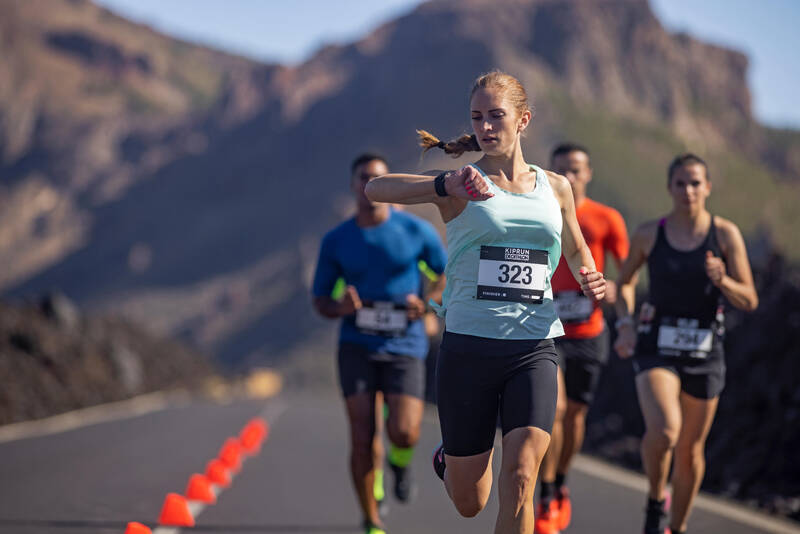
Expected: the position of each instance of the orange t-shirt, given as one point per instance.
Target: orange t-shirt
(604, 231)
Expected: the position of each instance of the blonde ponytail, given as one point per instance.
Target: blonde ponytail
(456, 147)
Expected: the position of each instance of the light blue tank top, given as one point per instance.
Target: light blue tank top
(520, 220)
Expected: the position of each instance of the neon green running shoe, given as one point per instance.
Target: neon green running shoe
(371, 528)
(380, 495)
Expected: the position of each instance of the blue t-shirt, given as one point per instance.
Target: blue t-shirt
(381, 263)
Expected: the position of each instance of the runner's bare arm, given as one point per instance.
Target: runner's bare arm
(573, 246)
(404, 188)
(734, 277)
(619, 245)
(627, 292)
(612, 291)
(420, 189)
(642, 242)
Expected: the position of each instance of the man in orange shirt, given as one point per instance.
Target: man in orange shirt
(584, 349)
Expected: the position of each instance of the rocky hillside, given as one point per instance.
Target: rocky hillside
(201, 215)
(53, 359)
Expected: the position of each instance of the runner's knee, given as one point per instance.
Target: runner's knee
(522, 481)
(403, 435)
(688, 455)
(663, 438)
(469, 503)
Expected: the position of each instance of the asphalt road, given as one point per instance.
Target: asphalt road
(96, 478)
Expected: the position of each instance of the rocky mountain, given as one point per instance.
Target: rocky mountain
(189, 189)
(89, 105)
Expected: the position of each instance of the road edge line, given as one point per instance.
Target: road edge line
(92, 415)
(740, 513)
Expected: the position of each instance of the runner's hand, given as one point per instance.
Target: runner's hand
(416, 307)
(593, 284)
(351, 302)
(715, 268)
(467, 184)
(626, 341)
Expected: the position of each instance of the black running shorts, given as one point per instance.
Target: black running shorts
(477, 378)
(361, 371)
(702, 379)
(582, 361)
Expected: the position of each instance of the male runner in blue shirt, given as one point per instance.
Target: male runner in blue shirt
(382, 342)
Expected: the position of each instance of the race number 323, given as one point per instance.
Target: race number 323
(512, 274)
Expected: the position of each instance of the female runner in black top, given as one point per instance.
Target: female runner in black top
(696, 262)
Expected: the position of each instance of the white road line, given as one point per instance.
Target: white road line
(739, 513)
(273, 410)
(271, 413)
(126, 409)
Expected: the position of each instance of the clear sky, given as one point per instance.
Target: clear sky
(290, 31)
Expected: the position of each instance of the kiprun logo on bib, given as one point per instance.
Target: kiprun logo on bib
(518, 254)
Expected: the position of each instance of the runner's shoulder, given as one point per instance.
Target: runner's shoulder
(726, 226)
(559, 183)
(727, 231)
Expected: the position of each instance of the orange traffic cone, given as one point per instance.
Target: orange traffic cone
(175, 512)
(231, 454)
(199, 489)
(137, 528)
(251, 445)
(217, 473)
(252, 435)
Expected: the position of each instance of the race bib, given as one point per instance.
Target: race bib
(573, 306)
(382, 319)
(512, 274)
(685, 338)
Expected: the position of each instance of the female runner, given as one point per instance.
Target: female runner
(696, 261)
(507, 224)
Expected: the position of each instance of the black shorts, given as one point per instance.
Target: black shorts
(582, 361)
(703, 379)
(477, 378)
(361, 371)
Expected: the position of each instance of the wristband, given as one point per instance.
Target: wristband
(438, 184)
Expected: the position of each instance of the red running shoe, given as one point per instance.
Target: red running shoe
(564, 507)
(546, 519)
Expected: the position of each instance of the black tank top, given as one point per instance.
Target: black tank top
(679, 285)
